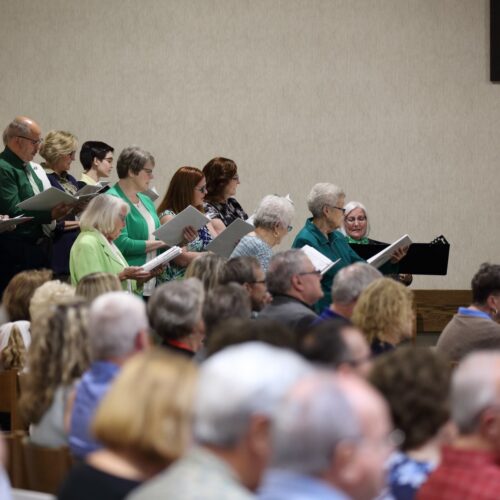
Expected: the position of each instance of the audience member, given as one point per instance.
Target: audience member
(222, 181)
(237, 331)
(225, 302)
(175, 315)
(27, 246)
(97, 160)
(415, 382)
(118, 328)
(475, 327)
(237, 391)
(142, 434)
(187, 188)
(58, 356)
(329, 440)
(93, 285)
(469, 468)
(46, 296)
(136, 241)
(295, 286)
(384, 312)
(347, 286)
(248, 272)
(15, 337)
(95, 251)
(272, 222)
(58, 149)
(208, 269)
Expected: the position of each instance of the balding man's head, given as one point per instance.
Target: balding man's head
(23, 137)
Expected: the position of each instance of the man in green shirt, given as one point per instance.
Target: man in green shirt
(26, 247)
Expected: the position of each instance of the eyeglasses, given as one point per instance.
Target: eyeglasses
(338, 208)
(315, 273)
(289, 228)
(149, 171)
(35, 142)
(123, 218)
(352, 220)
(202, 189)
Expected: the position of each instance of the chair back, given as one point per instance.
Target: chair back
(9, 398)
(15, 465)
(46, 468)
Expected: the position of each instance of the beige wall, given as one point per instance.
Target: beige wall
(389, 98)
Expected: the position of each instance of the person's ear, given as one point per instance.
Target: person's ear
(343, 464)
(142, 340)
(259, 436)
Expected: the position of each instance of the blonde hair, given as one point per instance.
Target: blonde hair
(46, 295)
(58, 355)
(208, 268)
(155, 423)
(13, 355)
(384, 310)
(58, 143)
(19, 292)
(95, 284)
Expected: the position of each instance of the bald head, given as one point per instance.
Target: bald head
(23, 137)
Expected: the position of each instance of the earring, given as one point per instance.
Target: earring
(495, 311)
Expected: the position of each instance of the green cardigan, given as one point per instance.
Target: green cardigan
(91, 253)
(132, 240)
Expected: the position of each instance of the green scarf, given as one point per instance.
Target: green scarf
(362, 241)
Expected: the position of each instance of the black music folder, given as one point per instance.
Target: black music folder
(422, 258)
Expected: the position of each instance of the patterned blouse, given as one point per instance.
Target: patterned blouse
(175, 272)
(227, 212)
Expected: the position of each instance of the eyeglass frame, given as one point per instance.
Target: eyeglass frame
(34, 142)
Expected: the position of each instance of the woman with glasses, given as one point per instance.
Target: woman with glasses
(97, 160)
(187, 187)
(136, 241)
(356, 227)
(58, 150)
(222, 181)
(94, 250)
(272, 223)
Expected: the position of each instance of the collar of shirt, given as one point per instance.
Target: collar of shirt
(460, 457)
(473, 313)
(322, 239)
(13, 159)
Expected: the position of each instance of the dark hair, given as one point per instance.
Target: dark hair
(323, 343)
(415, 381)
(224, 302)
(485, 283)
(218, 172)
(91, 150)
(239, 270)
(180, 190)
(237, 331)
(132, 159)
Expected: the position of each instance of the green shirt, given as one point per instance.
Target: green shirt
(14, 188)
(334, 247)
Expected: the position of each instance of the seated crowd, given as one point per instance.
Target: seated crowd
(252, 375)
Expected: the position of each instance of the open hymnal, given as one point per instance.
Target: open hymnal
(7, 224)
(320, 262)
(48, 199)
(89, 189)
(225, 243)
(383, 256)
(163, 258)
(172, 231)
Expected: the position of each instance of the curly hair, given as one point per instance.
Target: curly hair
(13, 355)
(415, 381)
(58, 143)
(59, 354)
(384, 311)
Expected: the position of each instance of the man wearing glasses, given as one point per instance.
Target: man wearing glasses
(26, 247)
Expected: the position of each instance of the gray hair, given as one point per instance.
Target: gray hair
(175, 308)
(311, 421)
(15, 128)
(115, 319)
(238, 383)
(323, 194)
(352, 205)
(474, 387)
(274, 211)
(132, 159)
(282, 267)
(350, 281)
(101, 213)
(240, 270)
